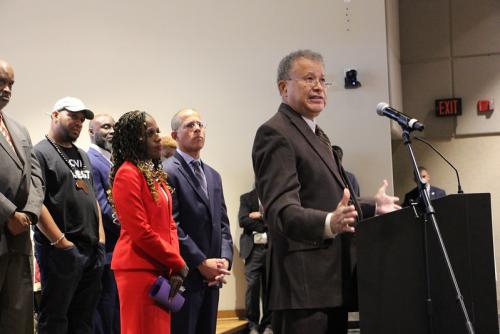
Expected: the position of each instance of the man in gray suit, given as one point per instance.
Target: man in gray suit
(309, 209)
(21, 197)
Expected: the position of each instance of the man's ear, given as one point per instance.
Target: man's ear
(54, 115)
(173, 134)
(283, 88)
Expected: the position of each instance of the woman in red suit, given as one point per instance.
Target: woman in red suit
(148, 245)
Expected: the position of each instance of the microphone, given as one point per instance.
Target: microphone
(383, 109)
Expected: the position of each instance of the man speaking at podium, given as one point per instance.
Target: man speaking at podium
(309, 208)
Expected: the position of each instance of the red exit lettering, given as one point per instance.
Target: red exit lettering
(448, 107)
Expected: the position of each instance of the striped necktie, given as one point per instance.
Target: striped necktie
(200, 176)
(323, 137)
(5, 132)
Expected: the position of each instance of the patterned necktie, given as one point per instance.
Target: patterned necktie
(323, 137)
(200, 176)
(5, 133)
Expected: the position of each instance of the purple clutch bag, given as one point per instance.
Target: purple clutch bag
(159, 292)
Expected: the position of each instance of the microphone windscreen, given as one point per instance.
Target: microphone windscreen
(381, 107)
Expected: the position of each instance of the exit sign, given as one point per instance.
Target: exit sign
(448, 107)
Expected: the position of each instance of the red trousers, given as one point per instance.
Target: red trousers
(139, 314)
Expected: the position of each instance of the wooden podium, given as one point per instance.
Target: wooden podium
(392, 279)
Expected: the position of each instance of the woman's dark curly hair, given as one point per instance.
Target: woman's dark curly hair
(129, 144)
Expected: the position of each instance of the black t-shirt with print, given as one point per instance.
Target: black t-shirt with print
(74, 209)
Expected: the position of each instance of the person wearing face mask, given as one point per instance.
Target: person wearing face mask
(413, 195)
(148, 245)
(21, 197)
(69, 236)
(101, 130)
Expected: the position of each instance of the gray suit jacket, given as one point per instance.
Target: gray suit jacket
(21, 185)
(299, 181)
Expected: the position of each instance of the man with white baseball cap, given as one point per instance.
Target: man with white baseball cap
(73, 104)
(69, 235)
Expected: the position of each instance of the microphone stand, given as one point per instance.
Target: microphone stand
(430, 216)
(460, 191)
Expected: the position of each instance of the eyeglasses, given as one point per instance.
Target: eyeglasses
(312, 81)
(192, 124)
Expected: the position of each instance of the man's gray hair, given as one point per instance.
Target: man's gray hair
(287, 62)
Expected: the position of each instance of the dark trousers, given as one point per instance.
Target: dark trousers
(199, 313)
(255, 274)
(107, 314)
(71, 284)
(317, 321)
(16, 294)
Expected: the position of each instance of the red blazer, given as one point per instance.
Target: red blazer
(148, 238)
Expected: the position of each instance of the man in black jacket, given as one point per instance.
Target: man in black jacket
(253, 250)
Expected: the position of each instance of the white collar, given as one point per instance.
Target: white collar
(311, 123)
(186, 156)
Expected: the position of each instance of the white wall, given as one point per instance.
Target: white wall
(218, 56)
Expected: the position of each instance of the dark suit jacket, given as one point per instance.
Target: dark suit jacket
(414, 195)
(299, 182)
(202, 224)
(354, 182)
(100, 172)
(249, 202)
(21, 185)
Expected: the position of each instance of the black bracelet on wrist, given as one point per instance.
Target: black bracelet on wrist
(31, 217)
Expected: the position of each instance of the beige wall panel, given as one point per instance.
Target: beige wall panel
(424, 29)
(422, 84)
(477, 78)
(475, 27)
(394, 55)
(394, 60)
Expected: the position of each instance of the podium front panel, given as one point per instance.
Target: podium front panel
(392, 277)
